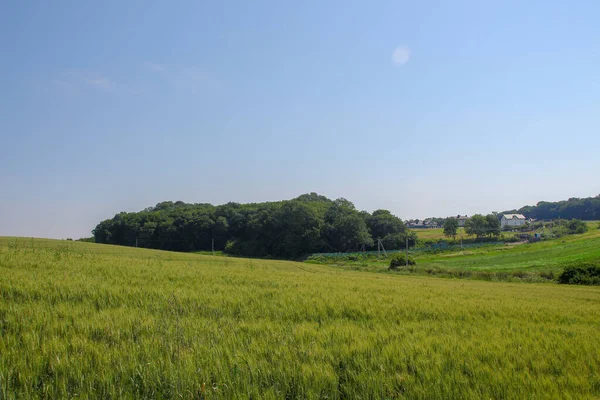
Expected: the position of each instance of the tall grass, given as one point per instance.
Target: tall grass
(85, 321)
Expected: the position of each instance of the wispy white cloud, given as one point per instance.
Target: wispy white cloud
(197, 78)
(156, 67)
(65, 86)
(98, 82)
(401, 55)
(186, 77)
(75, 80)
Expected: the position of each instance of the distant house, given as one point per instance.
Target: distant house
(417, 224)
(429, 224)
(421, 224)
(512, 220)
(462, 219)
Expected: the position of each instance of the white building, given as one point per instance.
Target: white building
(512, 220)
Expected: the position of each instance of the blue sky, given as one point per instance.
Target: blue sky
(423, 108)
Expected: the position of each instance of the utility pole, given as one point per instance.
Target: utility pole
(213, 246)
(379, 248)
(407, 249)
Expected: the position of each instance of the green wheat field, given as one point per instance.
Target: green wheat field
(81, 320)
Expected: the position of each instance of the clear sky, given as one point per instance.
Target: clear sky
(423, 108)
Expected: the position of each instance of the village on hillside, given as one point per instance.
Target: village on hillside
(506, 221)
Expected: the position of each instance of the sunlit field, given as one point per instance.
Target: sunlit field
(98, 321)
(435, 233)
(531, 262)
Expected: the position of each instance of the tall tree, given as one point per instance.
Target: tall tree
(483, 226)
(451, 227)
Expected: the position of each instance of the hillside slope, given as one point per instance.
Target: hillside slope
(545, 255)
(539, 261)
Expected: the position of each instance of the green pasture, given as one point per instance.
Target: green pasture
(544, 255)
(539, 261)
(434, 233)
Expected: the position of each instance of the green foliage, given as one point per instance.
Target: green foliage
(96, 321)
(286, 229)
(450, 227)
(581, 274)
(580, 208)
(576, 226)
(482, 259)
(511, 238)
(345, 228)
(398, 241)
(383, 223)
(483, 226)
(562, 228)
(390, 229)
(399, 260)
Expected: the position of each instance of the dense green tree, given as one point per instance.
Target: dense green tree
(576, 226)
(451, 227)
(383, 223)
(299, 227)
(492, 225)
(476, 225)
(345, 229)
(286, 229)
(397, 241)
(483, 226)
(579, 208)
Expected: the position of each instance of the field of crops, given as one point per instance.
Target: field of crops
(86, 320)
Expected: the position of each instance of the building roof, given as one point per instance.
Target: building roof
(514, 216)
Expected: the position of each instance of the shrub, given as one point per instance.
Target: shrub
(558, 232)
(399, 260)
(580, 274)
(549, 275)
(512, 239)
(426, 243)
(230, 247)
(485, 275)
(576, 226)
(521, 275)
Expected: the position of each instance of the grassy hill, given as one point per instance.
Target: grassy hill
(545, 255)
(88, 320)
(540, 261)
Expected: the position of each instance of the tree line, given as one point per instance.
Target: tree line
(289, 229)
(481, 226)
(587, 209)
